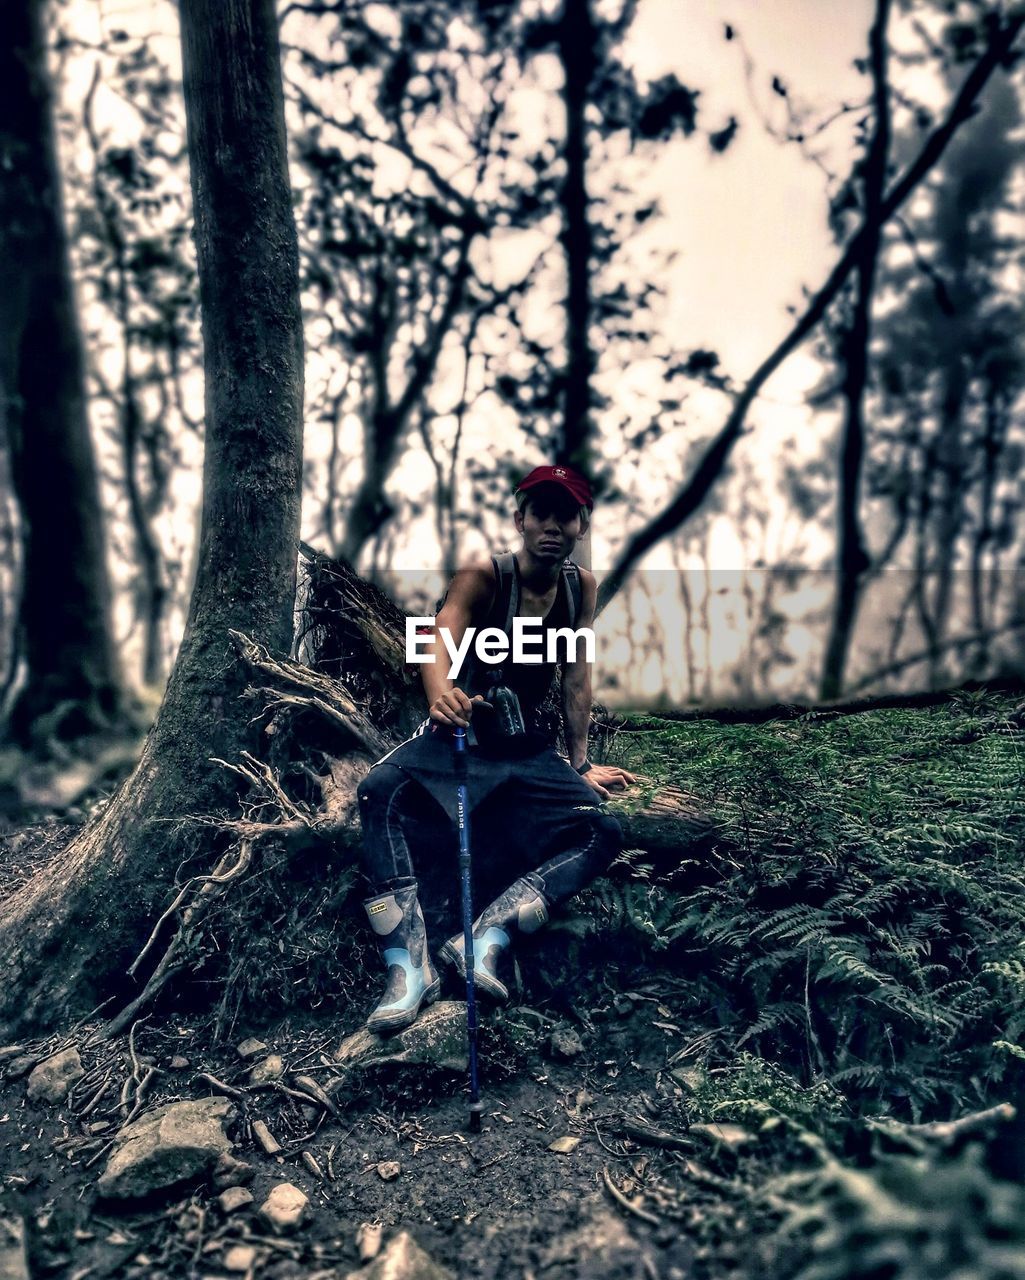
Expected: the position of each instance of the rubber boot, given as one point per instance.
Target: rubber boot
(524, 908)
(397, 920)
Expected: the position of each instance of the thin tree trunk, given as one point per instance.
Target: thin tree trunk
(852, 558)
(151, 587)
(950, 506)
(64, 610)
(992, 446)
(66, 937)
(576, 51)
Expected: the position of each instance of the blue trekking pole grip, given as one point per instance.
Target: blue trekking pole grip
(463, 827)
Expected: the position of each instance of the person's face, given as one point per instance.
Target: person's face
(549, 522)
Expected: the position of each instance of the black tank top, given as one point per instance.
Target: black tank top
(530, 681)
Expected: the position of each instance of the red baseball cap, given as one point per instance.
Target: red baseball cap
(572, 481)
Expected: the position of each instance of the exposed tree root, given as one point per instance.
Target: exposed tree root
(231, 866)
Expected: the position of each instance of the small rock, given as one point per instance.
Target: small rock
(436, 1039)
(265, 1138)
(389, 1170)
(402, 1259)
(267, 1071)
(178, 1063)
(284, 1207)
(166, 1147)
(229, 1172)
(52, 1079)
(19, 1067)
(563, 1146)
(240, 1257)
(691, 1078)
(368, 1240)
(601, 1246)
(13, 1256)
(565, 1043)
(250, 1048)
(234, 1198)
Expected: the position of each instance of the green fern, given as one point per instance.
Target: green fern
(875, 883)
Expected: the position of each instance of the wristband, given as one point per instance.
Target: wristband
(586, 767)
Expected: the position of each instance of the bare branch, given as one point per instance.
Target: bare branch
(687, 501)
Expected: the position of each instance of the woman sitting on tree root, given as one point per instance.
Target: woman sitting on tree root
(553, 806)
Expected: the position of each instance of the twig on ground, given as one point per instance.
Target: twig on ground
(97, 1155)
(219, 1085)
(628, 1204)
(653, 1137)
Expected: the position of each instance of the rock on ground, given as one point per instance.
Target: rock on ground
(229, 1172)
(602, 1249)
(285, 1207)
(267, 1071)
(240, 1257)
(51, 1080)
(564, 1044)
(13, 1259)
(170, 1145)
(436, 1039)
(235, 1198)
(402, 1259)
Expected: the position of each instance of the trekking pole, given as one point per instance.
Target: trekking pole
(463, 826)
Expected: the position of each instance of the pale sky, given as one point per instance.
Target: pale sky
(751, 223)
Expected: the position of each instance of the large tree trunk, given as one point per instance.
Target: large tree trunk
(66, 937)
(64, 610)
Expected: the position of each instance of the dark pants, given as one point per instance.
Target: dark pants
(534, 814)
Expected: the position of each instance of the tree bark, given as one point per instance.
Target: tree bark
(576, 52)
(852, 557)
(64, 608)
(67, 936)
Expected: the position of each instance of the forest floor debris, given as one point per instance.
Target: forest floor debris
(398, 1176)
(806, 1038)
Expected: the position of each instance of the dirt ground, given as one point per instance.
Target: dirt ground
(497, 1204)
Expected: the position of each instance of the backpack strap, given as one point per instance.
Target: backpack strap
(571, 572)
(507, 591)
